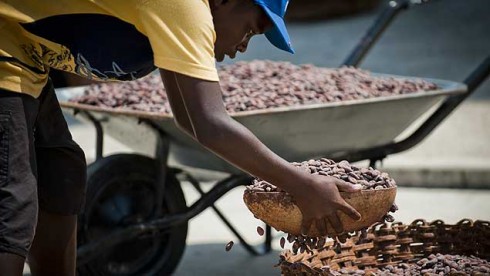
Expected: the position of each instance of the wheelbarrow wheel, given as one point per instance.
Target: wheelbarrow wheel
(121, 192)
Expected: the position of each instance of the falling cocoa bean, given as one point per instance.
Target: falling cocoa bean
(229, 245)
(260, 231)
(282, 242)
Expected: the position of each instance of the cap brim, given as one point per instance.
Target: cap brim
(278, 35)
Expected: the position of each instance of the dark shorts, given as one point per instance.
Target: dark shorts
(41, 167)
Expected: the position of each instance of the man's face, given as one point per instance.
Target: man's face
(235, 22)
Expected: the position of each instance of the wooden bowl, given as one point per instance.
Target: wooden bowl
(278, 209)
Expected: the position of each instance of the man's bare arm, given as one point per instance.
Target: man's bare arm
(198, 110)
(176, 102)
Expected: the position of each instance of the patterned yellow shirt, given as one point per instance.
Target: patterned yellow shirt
(103, 40)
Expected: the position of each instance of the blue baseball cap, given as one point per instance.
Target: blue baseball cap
(278, 35)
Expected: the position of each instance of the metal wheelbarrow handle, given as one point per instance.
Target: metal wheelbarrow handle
(377, 29)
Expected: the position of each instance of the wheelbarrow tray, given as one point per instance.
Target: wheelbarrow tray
(295, 133)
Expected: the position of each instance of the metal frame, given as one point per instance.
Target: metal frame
(91, 250)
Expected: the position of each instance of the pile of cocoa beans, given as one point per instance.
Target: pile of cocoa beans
(146, 94)
(435, 264)
(368, 178)
(260, 85)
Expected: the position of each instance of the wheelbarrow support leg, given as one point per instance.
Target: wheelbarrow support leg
(245, 244)
(161, 153)
(99, 132)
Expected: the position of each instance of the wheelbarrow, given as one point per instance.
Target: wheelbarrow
(135, 218)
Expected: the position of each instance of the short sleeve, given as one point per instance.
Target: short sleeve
(181, 35)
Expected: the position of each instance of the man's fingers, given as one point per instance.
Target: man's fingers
(321, 226)
(336, 223)
(350, 211)
(305, 227)
(347, 187)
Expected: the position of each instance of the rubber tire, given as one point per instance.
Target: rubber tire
(120, 168)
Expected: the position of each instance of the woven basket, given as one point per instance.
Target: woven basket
(278, 210)
(387, 244)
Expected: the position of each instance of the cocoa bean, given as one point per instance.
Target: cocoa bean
(229, 245)
(260, 231)
(282, 242)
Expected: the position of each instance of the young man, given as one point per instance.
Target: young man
(42, 170)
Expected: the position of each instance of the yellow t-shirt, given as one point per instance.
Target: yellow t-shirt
(103, 40)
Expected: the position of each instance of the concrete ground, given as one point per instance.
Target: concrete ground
(443, 39)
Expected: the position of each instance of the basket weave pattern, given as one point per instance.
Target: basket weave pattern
(387, 244)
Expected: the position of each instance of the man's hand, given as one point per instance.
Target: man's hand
(320, 201)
